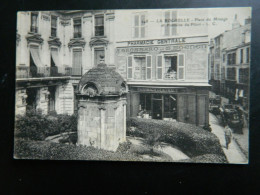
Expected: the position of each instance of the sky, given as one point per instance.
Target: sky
(229, 13)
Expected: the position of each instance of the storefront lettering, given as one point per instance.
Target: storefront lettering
(157, 41)
(161, 90)
(161, 48)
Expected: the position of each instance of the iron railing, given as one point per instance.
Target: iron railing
(36, 72)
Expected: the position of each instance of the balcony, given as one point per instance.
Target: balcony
(37, 72)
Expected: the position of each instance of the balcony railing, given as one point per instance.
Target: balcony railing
(170, 76)
(36, 72)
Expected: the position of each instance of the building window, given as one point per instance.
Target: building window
(139, 26)
(77, 62)
(241, 56)
(224, 57)
(98, 54)
(77, 28)
(99, 25)
(34, 22)
(170, 67)
(247, 55)
(170, 27)
(173, 67)
(217, 72)
(231, 58)
(231, 74)
(53, 26)
(244, 75)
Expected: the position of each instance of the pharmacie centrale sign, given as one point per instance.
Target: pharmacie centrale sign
(157, 41)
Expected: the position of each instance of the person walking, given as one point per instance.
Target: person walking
(228, 135)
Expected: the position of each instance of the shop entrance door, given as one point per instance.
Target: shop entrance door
(157, 106)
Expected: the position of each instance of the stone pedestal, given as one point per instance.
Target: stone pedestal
(102, 124)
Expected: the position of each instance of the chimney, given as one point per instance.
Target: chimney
(235, 23)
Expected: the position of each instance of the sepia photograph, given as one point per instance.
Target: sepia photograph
(153, 85)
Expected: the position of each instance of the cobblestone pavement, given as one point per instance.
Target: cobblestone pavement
(233, 153)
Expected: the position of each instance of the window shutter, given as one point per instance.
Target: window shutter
(148, 67)
(181, 66)
(167, 24)
(142, 26)
(136, 26)
(174, 28)
(159, 67)
(129, 67)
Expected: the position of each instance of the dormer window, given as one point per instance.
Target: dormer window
(77, 28)
(99, 25)
(53, 26)
(34, 22)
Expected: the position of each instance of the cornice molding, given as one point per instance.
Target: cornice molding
(54, 41)
(77, 42)
(34, 38)
(96, 41)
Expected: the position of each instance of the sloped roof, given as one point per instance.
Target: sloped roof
(105, 79)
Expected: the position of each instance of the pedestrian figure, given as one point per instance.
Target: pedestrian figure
(228, 135)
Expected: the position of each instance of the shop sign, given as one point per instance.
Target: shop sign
(161, 90)
(161, 48)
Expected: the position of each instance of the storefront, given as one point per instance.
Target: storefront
(167, 78)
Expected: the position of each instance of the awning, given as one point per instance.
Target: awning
(35, 56)
(55, 58)
(36, 59)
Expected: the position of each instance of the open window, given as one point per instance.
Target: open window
(170, 67)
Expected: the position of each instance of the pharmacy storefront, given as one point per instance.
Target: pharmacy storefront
(167, 78)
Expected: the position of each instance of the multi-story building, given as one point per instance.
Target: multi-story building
(163, 60)
(230, 72)
(54, 49)
(165, 63)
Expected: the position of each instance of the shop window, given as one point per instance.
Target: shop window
(99, 25)
(77, 62)
(77, 28)
(145, 102)
(34, 22)
(53, 26)
(98, 54)
(241, 56)
(139, 25)
(247, 54)
(170, 27)
(170, 106)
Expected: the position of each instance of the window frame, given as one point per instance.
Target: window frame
(54, 27)
(171, 26)
(77, 24)
(139, 26)
(34, 29)
(99, 16)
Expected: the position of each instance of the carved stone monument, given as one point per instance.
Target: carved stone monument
(102, 108)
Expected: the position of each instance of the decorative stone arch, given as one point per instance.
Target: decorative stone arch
(90, 89)
(123, 88)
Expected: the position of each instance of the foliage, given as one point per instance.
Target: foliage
(57, 151)
(36, 126)
(191, 139)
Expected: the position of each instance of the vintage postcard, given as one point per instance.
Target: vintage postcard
(162, 85)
